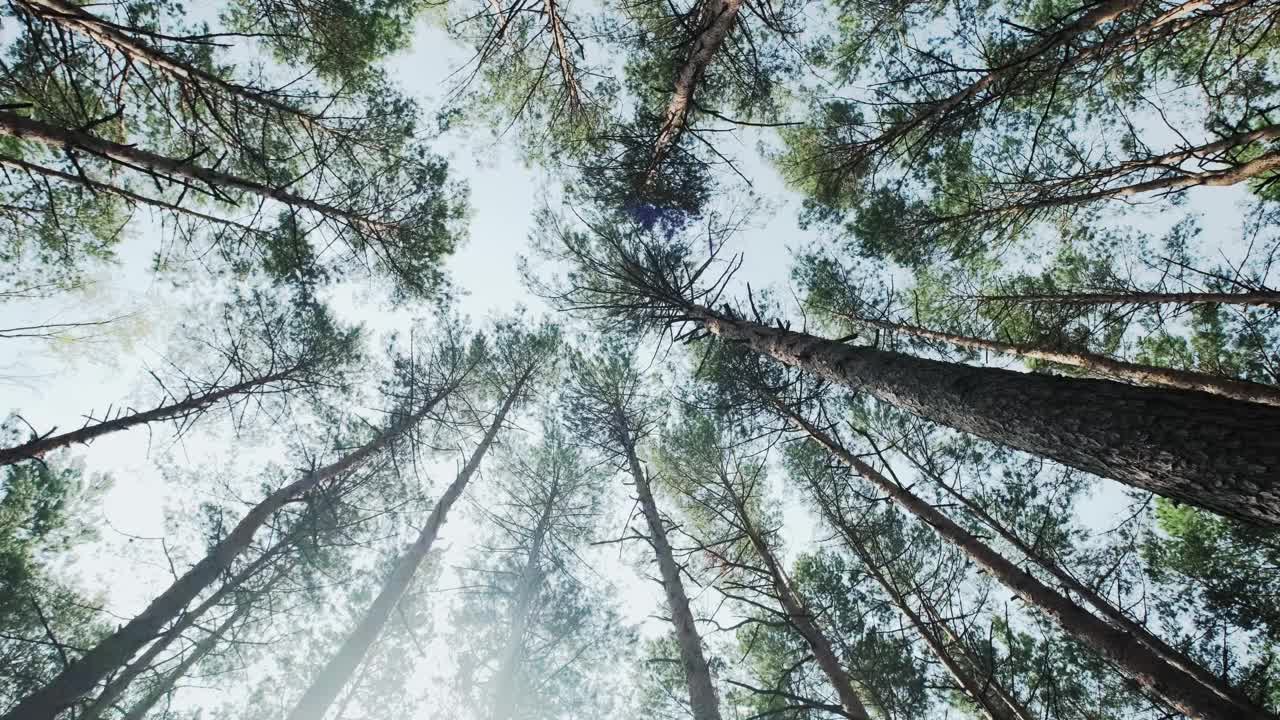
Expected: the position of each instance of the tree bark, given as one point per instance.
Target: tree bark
(800, 617)
(702, 692)
(716, 19)
(139, 710)
(1171, 686)
(81, 676)
(334, 676)
(1097, 364)
(1203, 450)
(1270, 298)
(1107, 610)
(38, 447)
(130, 156)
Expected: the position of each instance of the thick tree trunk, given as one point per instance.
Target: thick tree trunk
(1100, 365)
(702, 692)
(139, 710)
(1256, 297)
(56, 137)
(144, 662)
(195, 403)
(82, 675)
(802, 620)
(334, 676)
(507, 687)
(1114, 615)
(1203, 450)
(1148, 670)
(716, 19)
(79, 20)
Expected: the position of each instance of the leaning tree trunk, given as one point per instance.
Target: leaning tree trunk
(1203, 450)
(62, 139)
(526, 594)
(144, 662)
(1113, 614)
(1149, 671)
(800, 617)
(703, 701)
(1020, 711)
(139, 709)
(985, 694)
(1269, 298)
(77, 19)
(1097, 364)
(713, 23)
(191, 404)
(334, 676)
(112, 652)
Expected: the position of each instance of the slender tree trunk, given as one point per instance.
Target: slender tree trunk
(191, 404)
(526, 593)
(129, 195)
(77, 19)
(1097, 364)
(1113, 614)
(715, 20)
(1255, 297)
(1203, 450)
(139, 710)
(556, 26)
(81, 676)
(702, 692)
(144, 662)
(128, 155)
(1171, 686)
(984, 694)
(337, 673)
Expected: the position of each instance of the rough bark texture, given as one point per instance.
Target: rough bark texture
(1203, 450)
(801, 619)
(195, 403)
(1114, 615)
(57, 137)
(81, 676)
(1102, 365)
(716, 19)
(702, 692)
(1257, 297)
(1135, 660)
(335, 675)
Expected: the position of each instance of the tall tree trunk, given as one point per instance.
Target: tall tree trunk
(994, 704)
(139, 710)
(1253, 297)
(1100, 365)
(1171, 686)
(144, 662)
(81, 676)
(1203, 450)
(128, 155)
(702, 692)
(714, 22)
(799, 616)
(79, 20)
(334, 676)
(191, 404)
(1113, 614)
(526, 593)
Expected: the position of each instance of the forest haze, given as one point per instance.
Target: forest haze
(712, 359)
